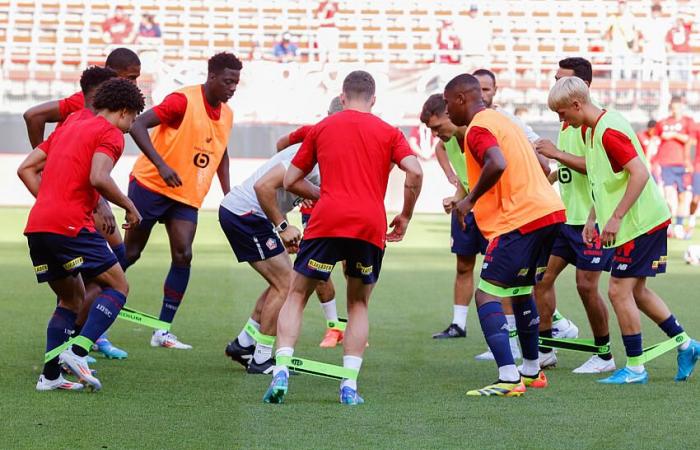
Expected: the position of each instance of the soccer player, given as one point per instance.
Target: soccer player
(465, 243)
(519, 212)
(254, 218)
(67, 174)
(633, 219)
(673, 157)
(355, 152)
(171, 178)
(127, 65)
(325, 290)
(590, 260)
(563, 326)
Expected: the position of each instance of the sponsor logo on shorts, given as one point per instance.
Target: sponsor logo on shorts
(540, 270)
(523, 272)
(271, 244)
(319, 266)
(622, 267)
(77, 262)
(655, 265)
(364, 270)
(485, 265)
(40, 269)
(595, 260)
(663, 259)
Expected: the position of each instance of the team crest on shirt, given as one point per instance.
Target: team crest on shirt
(271, 244)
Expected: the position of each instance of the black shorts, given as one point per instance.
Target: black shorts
(252, 238)
(317, 257)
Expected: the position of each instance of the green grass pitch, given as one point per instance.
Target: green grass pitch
(414, 387)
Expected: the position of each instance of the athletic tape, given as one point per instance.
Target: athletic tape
(258, 336)
(143, 319)
(503, 292)
(580, 345)
(316, 368)
(657, 350)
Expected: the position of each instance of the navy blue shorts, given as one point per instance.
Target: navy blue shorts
(468, 242)
(673, 176)
(56, 256)
(515, 259)
(317, 257)
(569, 246)
(305, 219)
(252, 238)
(155, 207)
(696, 183)
(643, 256)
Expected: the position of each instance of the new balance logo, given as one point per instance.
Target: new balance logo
(622, 267)
(595, 260)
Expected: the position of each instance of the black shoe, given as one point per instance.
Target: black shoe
(238, 353)
(453, 331)
(264, 368)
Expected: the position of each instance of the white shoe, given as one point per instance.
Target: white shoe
(79, 366)
(678, 231)
(548, 360)
(564, 329)
(45, 384)
(596, 364)
(488, 356)
(162, 338)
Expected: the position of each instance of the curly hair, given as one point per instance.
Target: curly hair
(94, 76)
(117, 94)
(224, 60)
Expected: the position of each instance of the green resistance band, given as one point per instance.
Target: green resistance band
(658, 349)
(258, 336)
(81, 341)
(339, 325)
(513, 333)
(580, 345)
(502, 292)
(143, 319)
(317, 368)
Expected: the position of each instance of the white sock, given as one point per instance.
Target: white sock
(684, 345)
(262, 353)
(531, 367)
(330, 311)
(351, 362)
(508, 373)
(245, 339)
(282, 351)
(691, 221)
(459, 316)
(636, 369)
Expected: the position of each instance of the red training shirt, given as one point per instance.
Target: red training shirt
(172, 109)
(295, 137)
(66, 199)
(671, 151)
(71, 104)
(355, 152)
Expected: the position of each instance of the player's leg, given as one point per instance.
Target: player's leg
(685, 197)
(671, 185)
(277, 271)
(546, 300)
(695, 201)
(241, 349)
(325, 291)
(103, 344)
(181, 236)
(356, 335)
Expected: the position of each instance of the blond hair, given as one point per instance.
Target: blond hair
(565, 91)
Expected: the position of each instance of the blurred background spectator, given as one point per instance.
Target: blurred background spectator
(285, 50)
(327, 35)
(148, 28)
(448, 43)
(118, 29)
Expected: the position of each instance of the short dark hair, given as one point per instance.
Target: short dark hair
(464, 81)
(651, 123)
(359, 83)
(581, 66)
(121, 59)
(676, 99)
(656, 7)
(485, 73)
(434, 106)
(94, 76)
(117, 94)
(224, 60)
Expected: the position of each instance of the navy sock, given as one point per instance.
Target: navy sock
(120, 252)
(603, 340)
(633, 344)
(679, 220)
(671, 326)
(546, 334)
(58, 331)
(173, 291)
(103, 313)
(495, 328)
(527, 321)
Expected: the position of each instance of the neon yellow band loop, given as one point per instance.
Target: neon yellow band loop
(83, 342)
(501, 292)
(51, 354)
(317, 368)
(658, 349)
(143, 319)
(339, 325)
(581, 345)
(258, 336)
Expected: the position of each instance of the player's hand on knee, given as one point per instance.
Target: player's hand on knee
(133, 218)
(106, 217)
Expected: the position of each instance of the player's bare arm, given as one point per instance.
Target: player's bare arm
(282, 143)
(589, 231)
(547, 148)
(102, 181)
(295, 183)
(492, 169)
(553, 176)
(448, 203)
(139, 132)
(37, 117)
(411, 189)
(266, 192)
(224, 174)
(444, 161)
(639, 175)
(30, 170)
